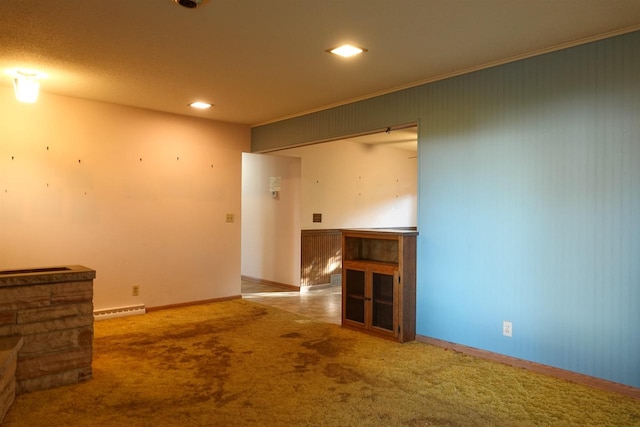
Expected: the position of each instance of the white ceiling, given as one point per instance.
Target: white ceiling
(263, 60)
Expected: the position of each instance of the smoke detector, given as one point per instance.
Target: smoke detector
(190, 4)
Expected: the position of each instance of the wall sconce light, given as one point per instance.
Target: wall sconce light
(26, 85)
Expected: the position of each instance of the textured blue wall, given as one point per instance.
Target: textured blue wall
(530, 209)
(529, 203)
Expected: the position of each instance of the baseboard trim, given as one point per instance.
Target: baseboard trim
(270, 283)
(190, 303)
(111, 313)
(318, 287)
(539, 368)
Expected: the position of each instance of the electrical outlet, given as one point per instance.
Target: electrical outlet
(507, 329)
(230, 217)
(135, 290)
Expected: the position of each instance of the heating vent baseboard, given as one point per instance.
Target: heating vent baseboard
(110, 313)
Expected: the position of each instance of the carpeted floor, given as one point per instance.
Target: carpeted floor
(239, 363)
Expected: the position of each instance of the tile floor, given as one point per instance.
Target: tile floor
(321, 304)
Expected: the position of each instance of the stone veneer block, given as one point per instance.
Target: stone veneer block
(8, 318)
(9, 347)
(72, 292)
(59, 311)
(53, 370)
(21, 297)
(52, 381)
(45, 343)
(52, 310)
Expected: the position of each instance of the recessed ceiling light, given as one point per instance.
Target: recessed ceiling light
(200, 105)
(347, 50)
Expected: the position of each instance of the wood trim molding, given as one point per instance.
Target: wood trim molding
(321, 231)
(270, 283)
(190, 303)
(539, 368)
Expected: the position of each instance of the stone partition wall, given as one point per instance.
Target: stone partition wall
(9, 348)
(52, 310)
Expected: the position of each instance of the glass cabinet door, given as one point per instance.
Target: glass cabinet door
(382, 300)
(355, 295)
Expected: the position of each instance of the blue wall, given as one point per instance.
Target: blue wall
(529, 203)
(530, 209)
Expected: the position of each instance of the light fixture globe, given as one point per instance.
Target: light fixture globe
(26, 90)
(25, 84)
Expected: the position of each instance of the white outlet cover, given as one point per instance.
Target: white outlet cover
(507, 329)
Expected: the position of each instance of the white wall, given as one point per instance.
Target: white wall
(74, 190)
(357, 185)
(271, 226)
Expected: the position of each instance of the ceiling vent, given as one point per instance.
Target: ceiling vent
(190, 4)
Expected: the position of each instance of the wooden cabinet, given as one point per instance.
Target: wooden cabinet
(379, 282)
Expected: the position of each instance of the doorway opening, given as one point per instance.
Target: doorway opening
(364, 181)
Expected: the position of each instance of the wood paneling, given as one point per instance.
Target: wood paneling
(321, 256)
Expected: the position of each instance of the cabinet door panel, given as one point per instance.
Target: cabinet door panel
(355, 296)
(382, 286)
